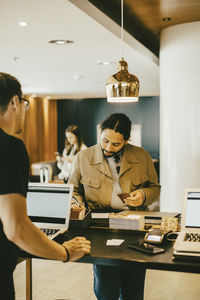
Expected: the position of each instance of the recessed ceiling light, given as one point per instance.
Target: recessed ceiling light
(106, 63)
(61, 42)
(15, 58)
(23, 23)
(78, 77)
(166, 19)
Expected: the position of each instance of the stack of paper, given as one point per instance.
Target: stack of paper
(126, 221)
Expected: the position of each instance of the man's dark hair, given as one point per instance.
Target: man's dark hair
(9, 87)
(119, 123)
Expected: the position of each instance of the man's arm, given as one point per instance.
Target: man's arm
(20, 230)
(148, 193)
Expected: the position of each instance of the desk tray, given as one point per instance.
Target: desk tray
(85, 222)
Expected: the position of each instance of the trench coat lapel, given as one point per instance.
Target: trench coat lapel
(128, 159)
(99, 161)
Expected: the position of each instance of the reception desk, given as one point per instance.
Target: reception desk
(118, 255)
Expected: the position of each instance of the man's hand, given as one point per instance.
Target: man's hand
(78, 247)
(136, 199)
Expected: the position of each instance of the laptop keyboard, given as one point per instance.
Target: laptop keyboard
(49, 231)
(192, 237)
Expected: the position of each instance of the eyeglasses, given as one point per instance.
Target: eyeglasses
(26, 102)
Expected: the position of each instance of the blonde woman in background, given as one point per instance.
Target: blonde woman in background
(73, 144)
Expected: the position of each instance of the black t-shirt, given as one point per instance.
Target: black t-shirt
(14, 174)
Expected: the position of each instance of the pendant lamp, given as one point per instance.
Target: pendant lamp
(122, 86)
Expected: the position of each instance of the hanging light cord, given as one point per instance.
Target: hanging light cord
(122, 29)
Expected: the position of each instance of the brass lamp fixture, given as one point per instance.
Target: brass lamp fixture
(122, 86)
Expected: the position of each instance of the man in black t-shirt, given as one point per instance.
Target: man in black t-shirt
(16, 229)
(13, 179)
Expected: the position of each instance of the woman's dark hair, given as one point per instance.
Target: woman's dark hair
(76, 131)
(9, 87)
(119, 123)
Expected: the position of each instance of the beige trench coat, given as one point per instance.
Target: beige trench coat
(93, 182)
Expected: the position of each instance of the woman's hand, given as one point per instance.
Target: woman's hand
(58, 158)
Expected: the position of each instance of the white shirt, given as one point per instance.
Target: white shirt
(66, 166)
(116, 202)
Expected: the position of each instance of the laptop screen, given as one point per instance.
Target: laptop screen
(49, 204)
(192, 210)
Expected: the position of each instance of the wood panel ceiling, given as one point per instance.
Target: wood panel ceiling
(144, 19)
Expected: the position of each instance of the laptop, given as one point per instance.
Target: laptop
(188, 240)
(49, 206)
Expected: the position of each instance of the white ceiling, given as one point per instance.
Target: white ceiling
(51, 70)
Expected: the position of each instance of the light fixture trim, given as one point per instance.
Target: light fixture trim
(122, 99)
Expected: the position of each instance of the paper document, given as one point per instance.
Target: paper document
(114, 242)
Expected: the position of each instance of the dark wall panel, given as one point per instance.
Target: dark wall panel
(88, 113)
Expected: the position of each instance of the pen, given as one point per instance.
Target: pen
(77, 201)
